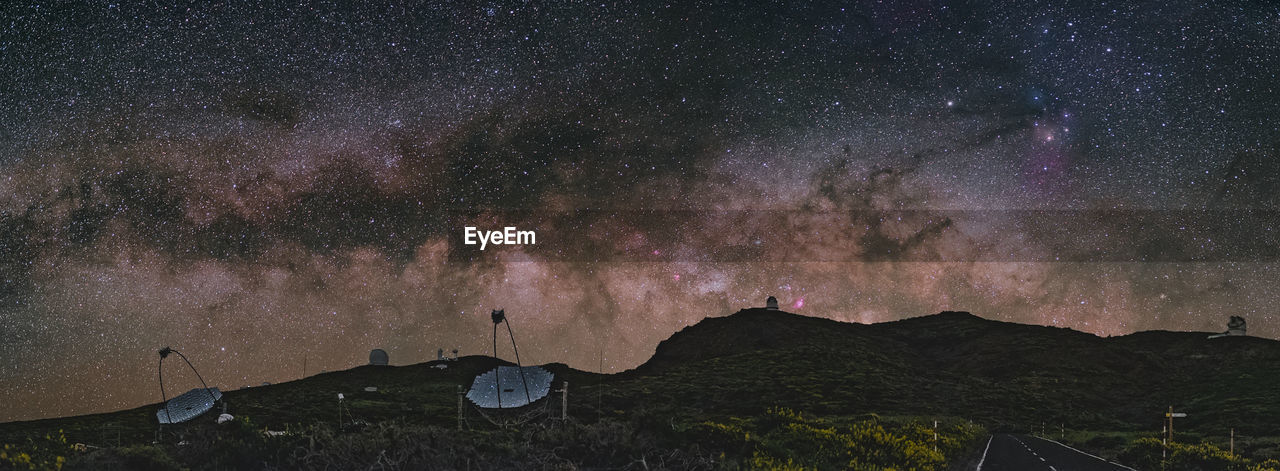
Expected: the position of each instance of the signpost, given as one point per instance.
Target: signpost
(1168, 429)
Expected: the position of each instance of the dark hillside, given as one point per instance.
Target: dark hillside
(954, 365)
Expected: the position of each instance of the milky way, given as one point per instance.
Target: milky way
(264, 187)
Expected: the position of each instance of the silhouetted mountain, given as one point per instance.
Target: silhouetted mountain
(1003, 375)
(955, 363)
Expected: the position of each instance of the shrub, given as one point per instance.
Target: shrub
(1146, 453)
(787, 439)
(48, 453)
(134, 457)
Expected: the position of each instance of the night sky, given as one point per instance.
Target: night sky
(263, 185)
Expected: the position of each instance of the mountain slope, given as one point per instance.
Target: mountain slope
(1003, 375)
(962, 365)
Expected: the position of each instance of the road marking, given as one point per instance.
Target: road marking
(1089, 455)
(984, 453)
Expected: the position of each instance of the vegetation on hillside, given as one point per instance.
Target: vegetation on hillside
(1151, 453)
(786, 439)
(721, 395)
(775, 439)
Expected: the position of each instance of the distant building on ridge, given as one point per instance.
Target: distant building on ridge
(1235, 328)
(771, 303)
(378, 357)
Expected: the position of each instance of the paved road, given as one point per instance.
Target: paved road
(1026, 453)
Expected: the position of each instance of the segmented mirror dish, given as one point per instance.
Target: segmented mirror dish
(484, 390)
(188, 406)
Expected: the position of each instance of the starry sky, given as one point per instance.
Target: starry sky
(275, 188)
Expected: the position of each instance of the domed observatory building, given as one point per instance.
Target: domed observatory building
(771, 303)
(378, 357)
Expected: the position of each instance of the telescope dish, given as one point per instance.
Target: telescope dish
(485, 394)
(188, 406)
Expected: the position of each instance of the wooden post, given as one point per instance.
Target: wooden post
(564, 401)
(459, 407)
(1233, 442)
(935, 435)
(1164, 451)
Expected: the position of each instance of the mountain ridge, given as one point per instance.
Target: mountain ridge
(954, 363)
